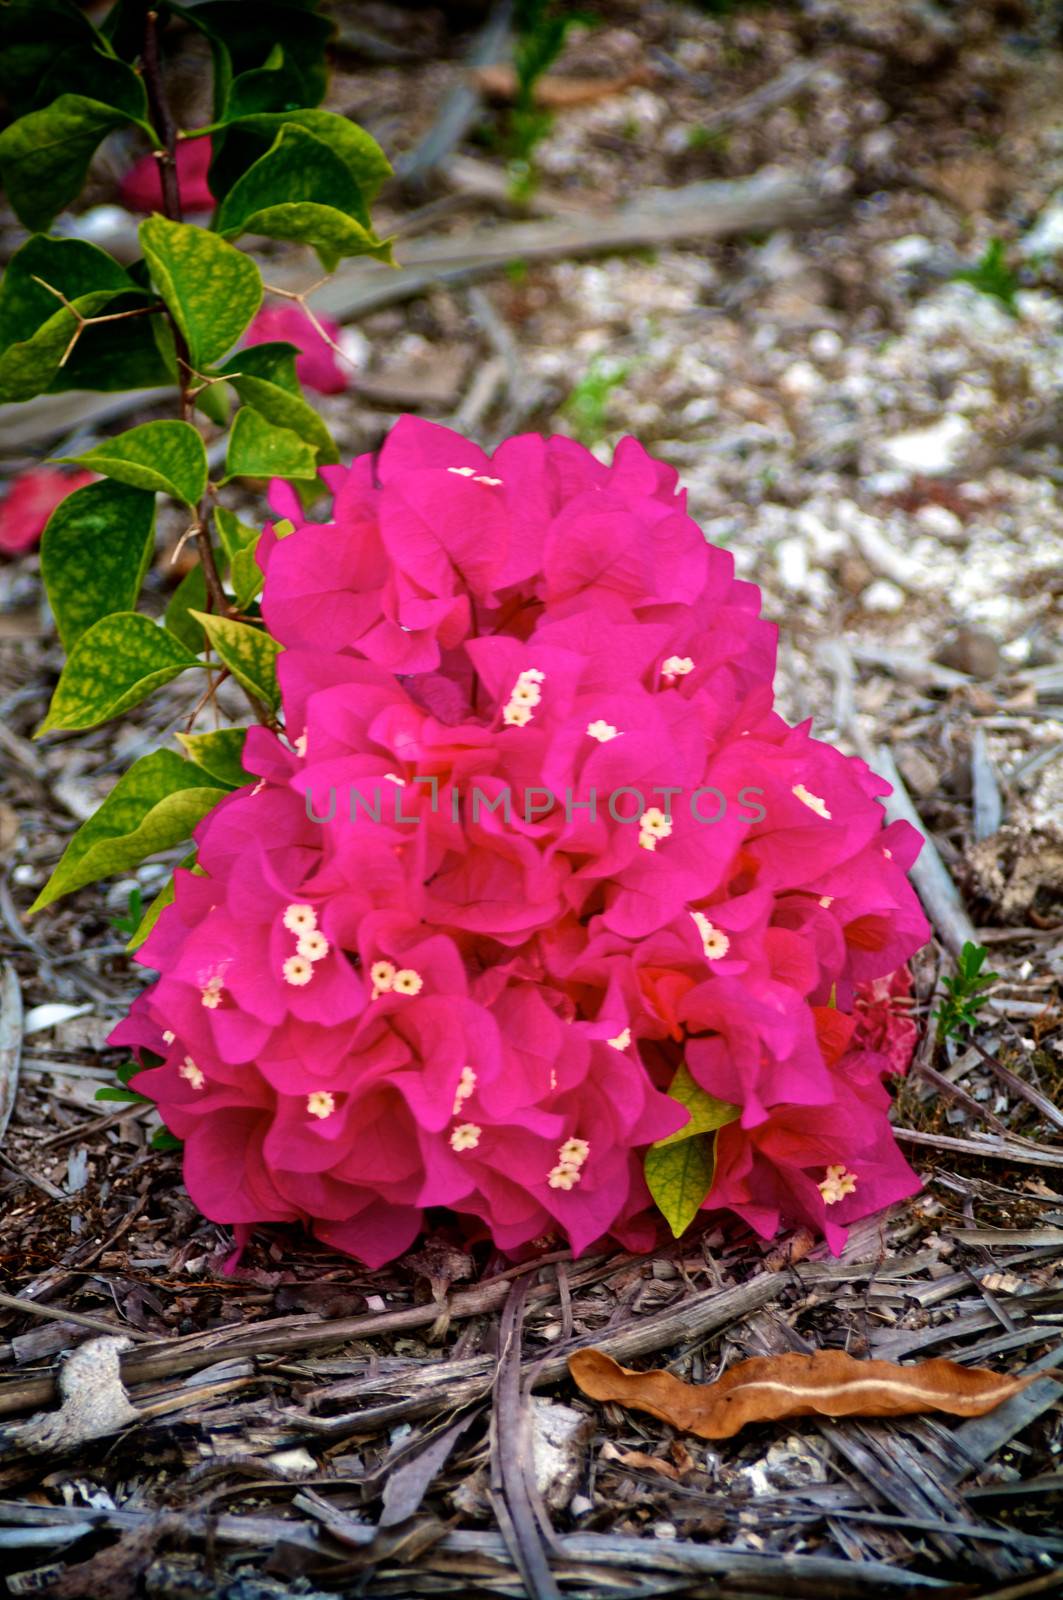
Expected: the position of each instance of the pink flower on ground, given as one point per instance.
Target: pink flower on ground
(379, 996)
(318, 367)
(29, 503)
(141, 188)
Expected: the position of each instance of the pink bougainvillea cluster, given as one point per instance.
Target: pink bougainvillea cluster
(410, 1003)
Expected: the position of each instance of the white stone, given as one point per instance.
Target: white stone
(1045, 238)
(939, 521)
(930, 450)
(884, 596)
(825, 345)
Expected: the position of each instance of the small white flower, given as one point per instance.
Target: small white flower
(676, 667)
(516, 716)
(573, 1153)
(714, 942)
(314, 946)
(297, 971)
(463, 472)
(191, 1073)
(320, 1103)
(466, 1086)
(466, 1136)
(563, 1176)
(622, 1040)
(837, 1184)
(300, 919)
(602, 731)
(382, 975)
(407, 981)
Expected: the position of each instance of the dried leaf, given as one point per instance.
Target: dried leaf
(553, 93)
(827, 1383)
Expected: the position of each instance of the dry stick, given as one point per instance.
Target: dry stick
(691, 1320)
(936, 889)
(33, 1308)
(1021, 1155)
(695, 211)
(459, 110)
(162, 118)
(10, 1042)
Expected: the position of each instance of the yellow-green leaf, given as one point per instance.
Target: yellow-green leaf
(212, 289)
(114, 665)
(679, 1169)
(169, 457)
(249, 653)
(94, 553)
(259, 449)
(220, 753)
(152, 807)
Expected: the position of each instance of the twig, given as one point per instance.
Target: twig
(10, 1042)
(936, 889)
(988, 807)
(1021, 1155)
(33, 1308)
(512, 1466)
(162, 117)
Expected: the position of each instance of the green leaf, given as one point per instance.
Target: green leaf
(679, 1169)
(152, 913)
(98, 75)
(366, 163)
(125, 1095)
(166, 456)
(301, 190)
(95, 551)
(219, 753)
(706, 1112)
(249, 653)
(190, 595)
(33, 33)
(259, 449)
(152, 807)
(264, 376)
(240, 543)
(35, 327)
(211, 289)
(45, 155)
(163, 1139)
(679, 1178)
(275, 86)
(252, 32)
(113, 666)
(115, 356)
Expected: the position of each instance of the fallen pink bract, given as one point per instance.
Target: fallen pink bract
(29, 503)
(381, 998)
(318, 366)
(141, 188)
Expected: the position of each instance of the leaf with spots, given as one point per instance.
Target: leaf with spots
(166, 456)
(114, 665)
(679, 1169)
(152, 807)
(827, 1383)
(240, 541)
(35, 327)
(259, 449)
(249, 653)
(211, 289)
(303, 191)
(265, 377)
(45, 155)
(94, 553)
(220, 753)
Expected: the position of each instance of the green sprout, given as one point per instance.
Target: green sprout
(129, 923)
(541, 34)
(992, 275)
(588, 402)
(964, 994)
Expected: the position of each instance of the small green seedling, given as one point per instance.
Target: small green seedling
(588, 403)
(964, 994)
(128, 924)
(541, 33)
(992, 275)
